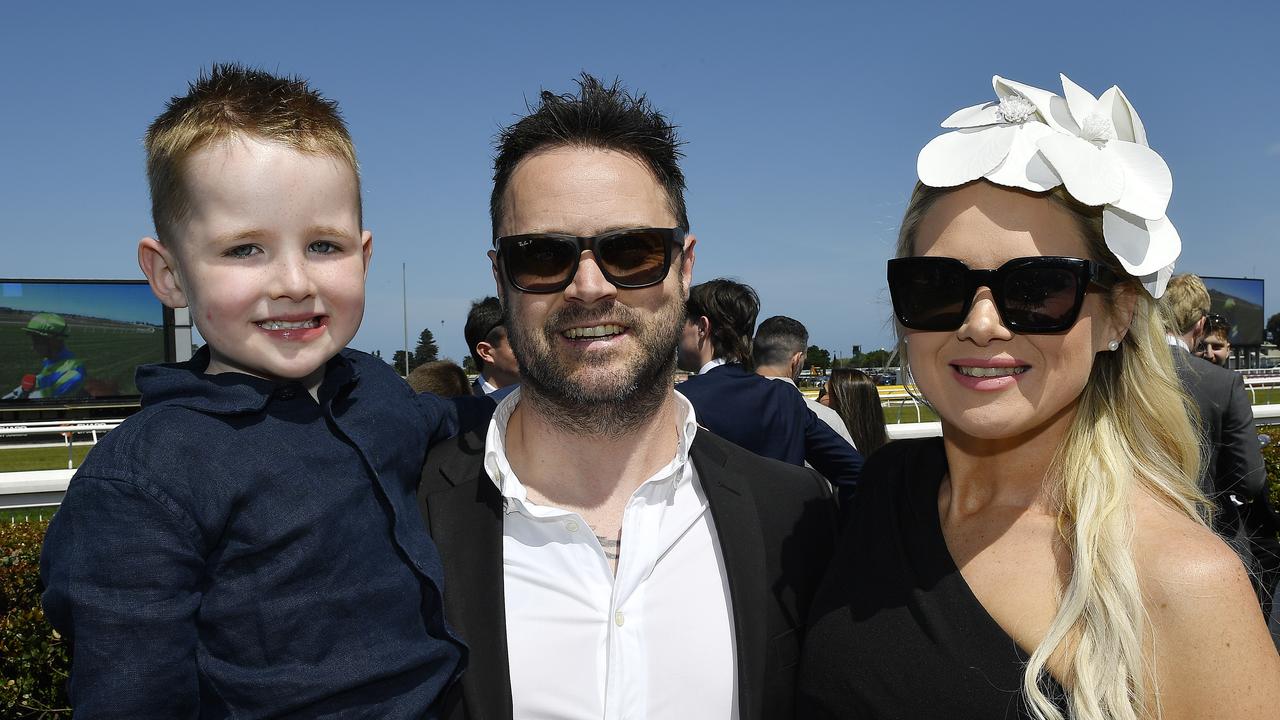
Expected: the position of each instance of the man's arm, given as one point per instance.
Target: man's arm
(1240, 466)
(121, 571)
(830, 455)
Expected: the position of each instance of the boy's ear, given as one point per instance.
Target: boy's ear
(161, 268)
(366, 247)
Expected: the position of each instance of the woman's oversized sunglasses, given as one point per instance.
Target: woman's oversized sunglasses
(1032, 294)
(629, 259)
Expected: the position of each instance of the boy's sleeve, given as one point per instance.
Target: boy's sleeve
(454, 416)
(120, 569)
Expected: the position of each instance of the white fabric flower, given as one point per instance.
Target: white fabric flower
(997, 141)
(1095, 147)
(1103, 159)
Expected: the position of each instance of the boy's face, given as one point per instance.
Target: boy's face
(271, 259)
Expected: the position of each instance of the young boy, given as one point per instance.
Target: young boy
(248, 544)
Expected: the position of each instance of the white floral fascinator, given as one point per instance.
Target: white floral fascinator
(1095, 147)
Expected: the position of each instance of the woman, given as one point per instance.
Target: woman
(1048, 556)
(854, 396)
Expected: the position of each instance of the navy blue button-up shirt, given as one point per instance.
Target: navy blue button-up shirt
(238, 549)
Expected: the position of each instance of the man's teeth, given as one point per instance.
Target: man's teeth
(597, 331)
(282, 325)
(986, 372)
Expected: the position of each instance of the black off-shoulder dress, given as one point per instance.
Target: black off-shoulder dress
(895, 631)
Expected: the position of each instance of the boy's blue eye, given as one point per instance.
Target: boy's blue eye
(324, 246)
(243, 251)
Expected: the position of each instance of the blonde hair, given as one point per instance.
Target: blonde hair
(1185, 301)
(1133, 427)
(234, 100)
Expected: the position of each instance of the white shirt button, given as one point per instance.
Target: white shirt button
(619, 618)
(572, 526)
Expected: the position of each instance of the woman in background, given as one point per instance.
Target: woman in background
(854, 395)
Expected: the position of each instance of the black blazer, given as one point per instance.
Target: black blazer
(770, 418)
(1234, 459)
(775, 523)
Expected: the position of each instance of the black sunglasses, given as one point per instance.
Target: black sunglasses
(631, 258)
(1033, 294)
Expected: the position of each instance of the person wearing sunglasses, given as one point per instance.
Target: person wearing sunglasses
(606, 556)
(1047, 556)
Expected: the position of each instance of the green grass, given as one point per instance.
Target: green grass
(908, 414)
(110, 354)
(50, 458)
(25, 514)
(1268, 396)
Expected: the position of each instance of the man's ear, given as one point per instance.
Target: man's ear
(485, 351)
(497, 277)
(160, 266)
(686, 267)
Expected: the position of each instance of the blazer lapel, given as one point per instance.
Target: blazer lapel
(742, 544)
(465, 514)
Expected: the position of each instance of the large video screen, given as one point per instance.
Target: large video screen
(72, 341)
(1240, 301)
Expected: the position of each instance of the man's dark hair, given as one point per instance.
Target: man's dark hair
(777, 339)
(484, 323)
(732, 308)
(599, 116)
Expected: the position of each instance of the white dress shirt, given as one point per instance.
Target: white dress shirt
(656, 640)
(711, 365)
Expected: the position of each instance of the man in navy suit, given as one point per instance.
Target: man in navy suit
(499, 372)
(766, 417)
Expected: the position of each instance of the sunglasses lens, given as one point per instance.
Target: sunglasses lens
(928, 293)
(634, 258)
(539, 264)
(1043, 299)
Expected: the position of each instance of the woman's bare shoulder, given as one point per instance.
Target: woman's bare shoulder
(1211, 652)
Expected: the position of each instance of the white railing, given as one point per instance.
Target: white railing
(37, 488)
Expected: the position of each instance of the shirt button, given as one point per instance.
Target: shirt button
(619, 618)
(572, 526)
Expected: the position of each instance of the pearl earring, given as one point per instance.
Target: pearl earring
(1113, 345)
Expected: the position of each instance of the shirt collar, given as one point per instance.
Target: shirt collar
(499, 468)
(1177, 341)
(486, 386)
(185, 384)
(712, 365)
(786, 380)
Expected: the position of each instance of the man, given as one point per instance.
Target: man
(606, 556)
(1215, 345)
(1233, 475)
(487, 342)
(760, 415)
(778, 353)
(61, 373)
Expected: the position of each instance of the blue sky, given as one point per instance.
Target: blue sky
(803, 122)
(122, 302)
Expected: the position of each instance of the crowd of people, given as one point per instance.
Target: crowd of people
(286, 529)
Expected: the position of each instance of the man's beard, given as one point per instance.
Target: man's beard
(580, 395)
